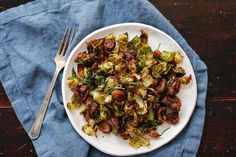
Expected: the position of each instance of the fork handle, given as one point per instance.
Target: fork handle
(35, 130)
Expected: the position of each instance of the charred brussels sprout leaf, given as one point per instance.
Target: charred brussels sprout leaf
(145, 53)
(185, 80)
(122, 41)
(138, 141)
(168, 56)
(178, 57)
(161, 69)
(87, 129)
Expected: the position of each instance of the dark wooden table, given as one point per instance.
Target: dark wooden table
(209, 26)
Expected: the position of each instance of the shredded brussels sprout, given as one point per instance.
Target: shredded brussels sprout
(127, 88)
(138, 141)
(87, 129)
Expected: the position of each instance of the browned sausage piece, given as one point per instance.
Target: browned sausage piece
(115, 123)
(105, 127)
(93, 110)
(161, 115)
(89, 100)
(161, 87)
(154, 83)
(173, 117)
(82, 56)
(119, 95)
(80, 70)
(109, 44)
(173, 102)
(151, 91)
(81, 92)
(85, 114)
(153, 133)
(177, 85)
(128, 55)
(94, 66)
(174, 88)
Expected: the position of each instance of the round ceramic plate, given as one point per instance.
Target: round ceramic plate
(111, 144)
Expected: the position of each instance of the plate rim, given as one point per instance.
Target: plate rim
(110, 27)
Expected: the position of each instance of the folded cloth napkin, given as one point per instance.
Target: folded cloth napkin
(29, 37)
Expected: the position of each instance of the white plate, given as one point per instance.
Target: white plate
(112, 144)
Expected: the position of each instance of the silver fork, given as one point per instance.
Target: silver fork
(60, 60)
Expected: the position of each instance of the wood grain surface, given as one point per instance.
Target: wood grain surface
(209, 26)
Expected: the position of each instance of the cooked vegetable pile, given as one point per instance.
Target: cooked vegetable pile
(126, 87)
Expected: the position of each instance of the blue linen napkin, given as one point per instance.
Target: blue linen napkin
(29, 37)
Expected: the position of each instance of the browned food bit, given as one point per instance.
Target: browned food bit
(85, 58)
(120, 66)
(145, 118)
(82, 56)
(93, 110)
(157, 54)
(89, 100)
(144, 37)
(132, 65)
(154, 133)
(152, 91)
(154, 62)
(173, 89)
(81, 92)
(89, 48)
(94, 66)
(161, 87)
(91, 59)
(85, 113)
(173, 117)
(161, 115)
(80, 71)
(96, 42)
(115, 123)
(129, 108)
(119, 95)
(133, 52)
(109, 44)
(186, 80)
(105, 127)
(118, 106)
(132, 125)
(125, 136)
(128, 55)
(154, 83)
(150, 106)
(173, 102)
